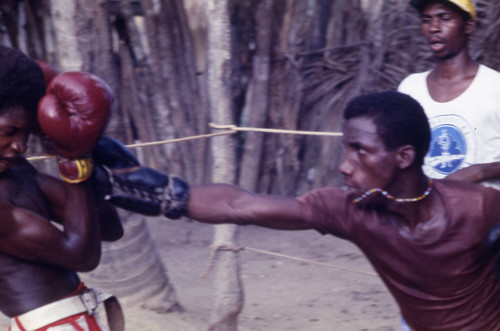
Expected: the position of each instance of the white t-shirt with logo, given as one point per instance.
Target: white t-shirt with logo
(465, 130)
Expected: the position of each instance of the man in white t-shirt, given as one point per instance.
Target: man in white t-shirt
(460, 97)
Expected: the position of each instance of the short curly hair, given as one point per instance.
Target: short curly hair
(399, 118)
(21, 81)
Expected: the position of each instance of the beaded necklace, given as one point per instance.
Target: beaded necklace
(391, 197)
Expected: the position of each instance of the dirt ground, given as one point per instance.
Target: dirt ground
(280, 293)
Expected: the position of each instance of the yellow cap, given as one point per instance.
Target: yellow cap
(466, 5)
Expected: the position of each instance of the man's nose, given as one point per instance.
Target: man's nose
(435, 25)
(19, 146)
(346, 167)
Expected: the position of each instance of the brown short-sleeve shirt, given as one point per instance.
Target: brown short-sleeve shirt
(446, 283)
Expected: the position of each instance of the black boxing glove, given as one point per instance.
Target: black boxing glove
(138, 189)
(493, 244)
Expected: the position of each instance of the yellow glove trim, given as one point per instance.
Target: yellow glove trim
(85, 167)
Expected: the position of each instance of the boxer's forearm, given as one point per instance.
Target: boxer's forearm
(222, 203)
(80, 224)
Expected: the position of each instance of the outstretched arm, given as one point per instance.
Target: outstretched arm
(223, 203)
(477, 173)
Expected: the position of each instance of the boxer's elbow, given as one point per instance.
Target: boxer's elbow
(113, 235)
(110, 223)
(83, 258)
(86, 263)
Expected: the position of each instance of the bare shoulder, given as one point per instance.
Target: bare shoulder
(19, 187)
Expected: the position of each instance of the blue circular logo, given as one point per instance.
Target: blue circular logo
(447, 150)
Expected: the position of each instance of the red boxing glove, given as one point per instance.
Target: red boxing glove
(74, 114)
(49, 72)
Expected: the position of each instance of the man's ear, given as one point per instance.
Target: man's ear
(470, 26)
(405, 156)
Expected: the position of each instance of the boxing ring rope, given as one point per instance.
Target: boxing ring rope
(152, 143)
(299, 259)
(250, 129)
(232, 129)
(280, 255)
(229, 129)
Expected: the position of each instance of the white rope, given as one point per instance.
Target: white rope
(237, 128)
(230, 129)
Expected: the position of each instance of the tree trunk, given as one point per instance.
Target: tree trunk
(257, 103)
(341, 31)
(135, 83)
(293, 21)
(181, 109)
(65, 19)
(228, 287)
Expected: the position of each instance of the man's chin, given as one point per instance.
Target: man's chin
(5, 164)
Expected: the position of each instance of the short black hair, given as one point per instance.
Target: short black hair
(399, 118)
(21, 81)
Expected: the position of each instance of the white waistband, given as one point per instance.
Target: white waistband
(87, 301)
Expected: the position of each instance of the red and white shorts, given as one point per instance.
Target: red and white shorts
(76, 312)
(80, 322)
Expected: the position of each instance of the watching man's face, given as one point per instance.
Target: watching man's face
(445, 29)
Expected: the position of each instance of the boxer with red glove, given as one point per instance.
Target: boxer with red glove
(73, 114)
(138, 189)
(40, 262)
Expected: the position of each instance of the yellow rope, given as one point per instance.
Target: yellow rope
(163, 142)
(153, 143)
(230, 129)
(39, 158)
(237, 128)
(211, 260)
(311, 261)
